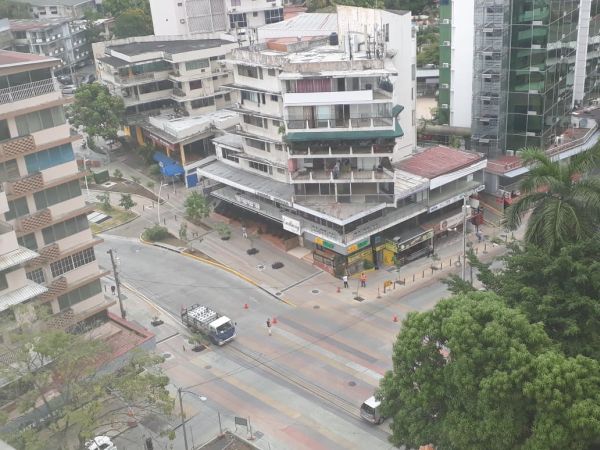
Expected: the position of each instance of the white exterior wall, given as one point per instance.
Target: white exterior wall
(461, 83)
(167, 16)
(583, 30)
(402, 51)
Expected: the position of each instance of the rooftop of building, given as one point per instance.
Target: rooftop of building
(11, 59)
(325, 22)
(37, 24)
(436, 161)
(169, 46)
(54, 2)
(176, 129)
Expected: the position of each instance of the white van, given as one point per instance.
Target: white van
(100, 443)
(371, 410)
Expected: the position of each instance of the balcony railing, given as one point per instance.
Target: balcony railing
(352, 176)
(362, 122)
(135, 79)
(12, 148)
(28, 90)
(339, 150)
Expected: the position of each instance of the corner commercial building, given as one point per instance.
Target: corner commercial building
(326, 141)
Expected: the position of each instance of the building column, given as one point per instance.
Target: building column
(182, 154)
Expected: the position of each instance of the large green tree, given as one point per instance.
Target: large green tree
(97, 111)
(560, 291)
(65, 372)
(133, 22)
(475, 373)
(564, 199)
(196, 206)
(117, 7)
(14, 10)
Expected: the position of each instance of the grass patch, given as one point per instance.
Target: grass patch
(118, 217)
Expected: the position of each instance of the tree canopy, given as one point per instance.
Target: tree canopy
(133, 22)
(196, 206)
(97, 111)
(117, 7)
(475, 373)
(14, 10)
(66, 372)
(564, 199)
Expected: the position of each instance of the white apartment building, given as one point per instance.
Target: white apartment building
(173, 88)
(184, 17)
(326, 144)
(75, 9)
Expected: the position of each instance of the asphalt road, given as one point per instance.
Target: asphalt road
(303, 386)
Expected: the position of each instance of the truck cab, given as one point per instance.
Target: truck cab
(221, 330)
(370, 410)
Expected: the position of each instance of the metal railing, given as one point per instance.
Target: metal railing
(349, 150)
(362, 122)
(133, 79)
(28, 90)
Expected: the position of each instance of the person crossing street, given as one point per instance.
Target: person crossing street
(269, 325)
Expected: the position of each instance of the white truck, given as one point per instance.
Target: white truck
(219, 329)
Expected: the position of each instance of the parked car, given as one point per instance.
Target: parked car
(100, 443)
(370, 410)
(64, 79)
(69, 89)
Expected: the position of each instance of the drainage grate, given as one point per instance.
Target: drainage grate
(358, 299)
(260, 267)
(315, 291)
(351, 383)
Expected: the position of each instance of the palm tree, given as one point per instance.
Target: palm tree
(564, 199)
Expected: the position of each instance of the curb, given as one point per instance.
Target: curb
(222, 267)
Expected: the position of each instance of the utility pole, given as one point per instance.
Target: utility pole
(464, 261)
(180, 393)
(117, 282)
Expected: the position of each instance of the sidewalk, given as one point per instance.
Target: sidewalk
(232, 252)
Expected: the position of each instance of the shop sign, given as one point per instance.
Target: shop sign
(365, 254)
(324, 243)
(247, 202)
(455, 199)
(414, 241)
(451, 222)
(391, 246)
(355, 247)
(291, 225)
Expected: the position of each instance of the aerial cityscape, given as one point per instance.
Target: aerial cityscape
(299, 224)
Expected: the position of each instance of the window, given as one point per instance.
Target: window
(251, 96)
(274, 15)
(255, 14)
(276, 123)
(271, 72)
(238, 21)
(196, 84)
(61, 230)
(71, 262)
(28, 241)
(202, 102)
(16, 208)
(40, 120)
(274, 98)
(281, 171)
(4, 131)
(3, 281)
(57, 194)
(197, 64)
(49, 158)
(261, 145)
(261, 167)
(230, 155)
(386, 32)
(256, 121)
(36, 276)
(9, 170)
(78, 295)
(227, 97)
(250, 71)
(279, 147)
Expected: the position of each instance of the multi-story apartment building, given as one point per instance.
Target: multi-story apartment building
(456, 24)
(325, 145)
(175, 77)
(61, 38)
(173, 17)
(75, 9)
(48, 261)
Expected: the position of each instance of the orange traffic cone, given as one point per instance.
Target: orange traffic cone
(395, 318)
(245, 305)
(274, 321)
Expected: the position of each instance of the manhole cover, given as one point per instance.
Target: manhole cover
(208, 367)
(167, 355)
(358, 299)
(315, 291)
(351, 383)
(260, 267)
(316, 307)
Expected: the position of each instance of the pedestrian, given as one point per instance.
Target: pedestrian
(363, 280)
(244, 233)
(184, 348)
(479, 236)
(345, 279)
(113, 289)
(269, 326)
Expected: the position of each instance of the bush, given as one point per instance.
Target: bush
(136, 180)
(105, 202)
(154, 169)
(117, 174)
(155, 233)
(224, 231)
(150, 185)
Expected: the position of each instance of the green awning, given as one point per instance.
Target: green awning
(336, 134)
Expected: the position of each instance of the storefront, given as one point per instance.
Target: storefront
(408, 250)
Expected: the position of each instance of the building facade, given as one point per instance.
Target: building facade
(61, 38)
(456, 62)
(321, 149)
(48, 261)
(173, 17)
(75, 9)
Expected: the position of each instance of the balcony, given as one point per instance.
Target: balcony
(25, 185)
(342, 129)
(363, 122)
(12, 148)
(135, 79)
(34, 221)
(28, 90)
(335, 151)
(364, 176)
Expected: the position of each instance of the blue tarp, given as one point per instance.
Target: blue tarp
(168, 167)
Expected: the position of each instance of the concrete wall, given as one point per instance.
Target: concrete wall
(167, 16)
(461, 85)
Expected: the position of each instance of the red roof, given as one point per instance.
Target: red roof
(436, 161)
(8, 58)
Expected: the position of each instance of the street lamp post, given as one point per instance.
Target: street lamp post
(159, 191)
(180, 392)
(465, 208)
